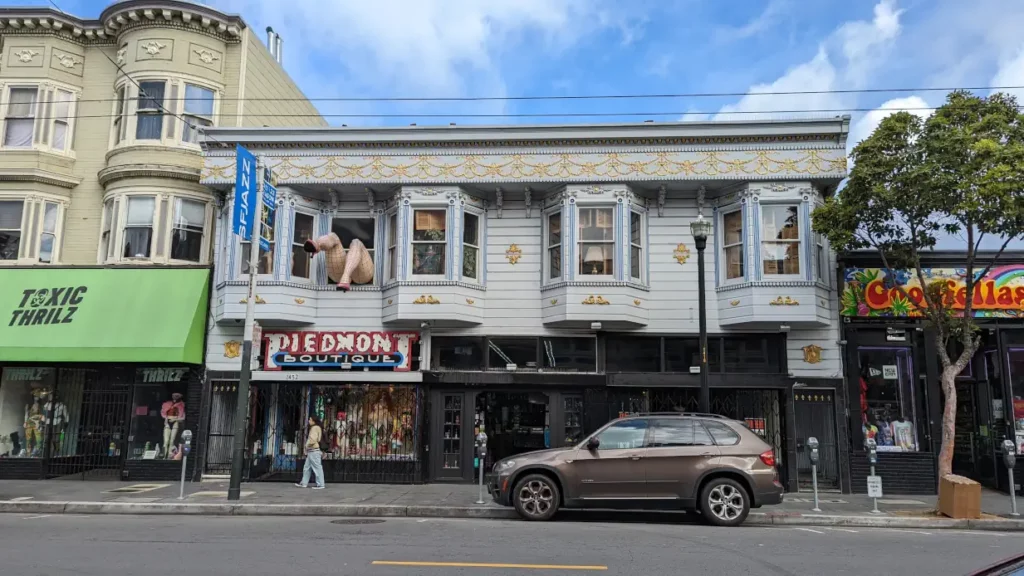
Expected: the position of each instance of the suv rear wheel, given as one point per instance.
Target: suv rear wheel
(724, 502)
(536, 497)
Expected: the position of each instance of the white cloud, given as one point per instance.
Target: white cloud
(758, 25)
(1011, 73)
(858, 47)
(867, 123)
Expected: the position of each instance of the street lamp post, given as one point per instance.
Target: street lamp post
(701, 228)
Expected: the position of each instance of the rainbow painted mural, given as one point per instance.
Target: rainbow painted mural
(870, 292)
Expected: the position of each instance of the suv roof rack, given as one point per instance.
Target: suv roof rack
(693, 414)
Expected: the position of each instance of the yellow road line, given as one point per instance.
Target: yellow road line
(487, 565)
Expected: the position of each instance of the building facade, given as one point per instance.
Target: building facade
(892, 370)
(530, 282)
(106, 234)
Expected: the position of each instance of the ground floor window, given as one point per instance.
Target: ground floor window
(158, 414)
(888, 402)
(361, 423)
(1015, 359)
(24, 396)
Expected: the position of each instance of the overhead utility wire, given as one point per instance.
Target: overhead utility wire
(558, 114)
(569, 97)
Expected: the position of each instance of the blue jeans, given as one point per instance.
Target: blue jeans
(313, 464)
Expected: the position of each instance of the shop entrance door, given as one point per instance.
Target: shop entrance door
(222, 427)
(91, 443)
(514, 423)
(973, 442)
(452, 444)
(816, 417)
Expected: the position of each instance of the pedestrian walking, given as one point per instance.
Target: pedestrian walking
(313, 455)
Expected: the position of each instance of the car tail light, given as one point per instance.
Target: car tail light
(768, 457)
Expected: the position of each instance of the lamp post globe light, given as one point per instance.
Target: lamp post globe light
(701, 229)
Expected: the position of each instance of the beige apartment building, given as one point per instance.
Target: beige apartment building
(106, 234)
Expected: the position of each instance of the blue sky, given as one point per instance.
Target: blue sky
(374, 48)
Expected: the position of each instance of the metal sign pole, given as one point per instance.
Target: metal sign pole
(186, 446)
(874, 501)
(812, 444)
(181, 494)
(1013, 495)
(242, 408)
(481, 448)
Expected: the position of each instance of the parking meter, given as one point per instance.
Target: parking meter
(872, 449)
(481, 451)
(186, 445)
(1010, 459)
(812, 446)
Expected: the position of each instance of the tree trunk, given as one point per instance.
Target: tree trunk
(949, 374)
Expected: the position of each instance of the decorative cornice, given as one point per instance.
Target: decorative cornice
(40, 176)
(115, 173)
(594, 284)
(773, 284)
(421, 283)
(299, 285)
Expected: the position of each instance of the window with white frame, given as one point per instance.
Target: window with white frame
(824, 273)
(61, 120)
(11, 212)
(107, 230)
(780, 239)
(264, 263)
(197, 110)
(48, 232)
(150, 110)
(393, 246)
(429, 242)
(137, 235)
(732, 244)
(187, 230)
(302, 231)
(636, 245)
(470, 246)
(351, 228)
(596, 241)
(120, 109)
(553, 244)
(20, 117)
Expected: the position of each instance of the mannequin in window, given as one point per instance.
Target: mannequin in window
(34, 422)
(60, 421)
(903, 434)
(173, 413)
(869, 429)
(884, 437)
(354, 265)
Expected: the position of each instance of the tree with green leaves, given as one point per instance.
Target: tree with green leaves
(959, 174)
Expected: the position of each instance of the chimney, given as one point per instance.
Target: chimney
(272, 42)
(277, 50)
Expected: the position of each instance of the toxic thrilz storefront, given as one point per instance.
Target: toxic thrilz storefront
(100, 370)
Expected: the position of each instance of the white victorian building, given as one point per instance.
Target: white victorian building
(530, 281)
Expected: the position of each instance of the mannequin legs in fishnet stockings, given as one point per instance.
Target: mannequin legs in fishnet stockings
(355, 266)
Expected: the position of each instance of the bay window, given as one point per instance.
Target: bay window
(732, 244)
(596, 241)
(48, 232)
(302, 231)
(187, 230)
(20, 118)
(349, 229)
(106, 232)
(264, 262)
(198, 111)
(10, 228)
(120, 108)
(429, 242)
(150, 114)
(138, 228)
(635, 245)
(392, 247)
(61, 120)
(470, 246)
(553, 241)
(780, 240)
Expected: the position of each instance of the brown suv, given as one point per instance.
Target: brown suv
(663, 461)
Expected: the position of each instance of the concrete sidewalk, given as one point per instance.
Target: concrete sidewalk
(444, 500)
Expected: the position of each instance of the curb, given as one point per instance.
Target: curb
(477, 512)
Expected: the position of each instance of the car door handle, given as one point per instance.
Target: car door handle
(635, 457)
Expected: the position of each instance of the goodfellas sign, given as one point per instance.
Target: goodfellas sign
(385, 350)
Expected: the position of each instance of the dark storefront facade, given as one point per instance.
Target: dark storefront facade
(100, 371)
(893, 371)
(370, 401)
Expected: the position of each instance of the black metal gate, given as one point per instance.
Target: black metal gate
(222, 427)
(816, 417)
(89, 442)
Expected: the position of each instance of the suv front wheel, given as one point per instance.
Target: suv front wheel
(724, 502)
(536, 497)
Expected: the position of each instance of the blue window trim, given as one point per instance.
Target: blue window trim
(805, 238)
(753, 271)
(569, 248)
(404, 227)
(618, 266)
(719, 244)
(322, 226)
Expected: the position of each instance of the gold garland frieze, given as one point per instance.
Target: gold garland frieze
(485, 167)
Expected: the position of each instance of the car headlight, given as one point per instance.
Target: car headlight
(504, 465)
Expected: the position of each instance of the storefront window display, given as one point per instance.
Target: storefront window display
(158, 414)
(887, 400)
(25, 397)
(1015, 359)
(361, 422)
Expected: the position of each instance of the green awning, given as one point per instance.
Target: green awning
(103, 314)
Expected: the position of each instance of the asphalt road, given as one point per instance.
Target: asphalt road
(177, 545)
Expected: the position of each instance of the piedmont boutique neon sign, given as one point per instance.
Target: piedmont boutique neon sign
(330, 349)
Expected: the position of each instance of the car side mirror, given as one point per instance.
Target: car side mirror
(593, 443)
